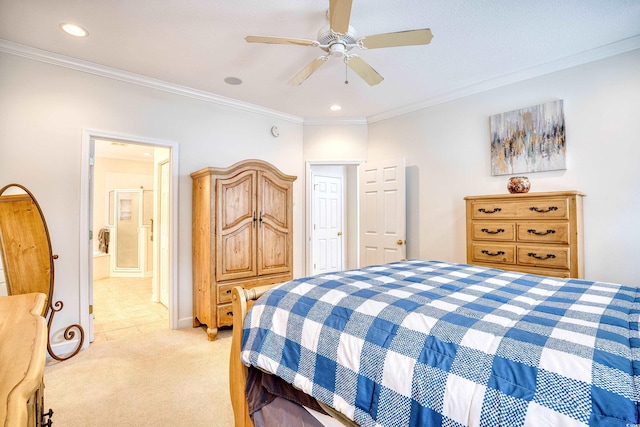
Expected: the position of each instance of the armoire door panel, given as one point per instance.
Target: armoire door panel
(274, 204)
(236, 227)
(274, 251)
(236, 254)
(273, 200)
(237, 203)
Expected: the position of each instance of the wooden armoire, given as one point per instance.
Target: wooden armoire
(242, 235)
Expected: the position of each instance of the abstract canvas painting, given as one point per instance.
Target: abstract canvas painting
(528, 140)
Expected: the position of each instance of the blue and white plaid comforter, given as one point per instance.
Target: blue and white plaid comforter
(427, 343)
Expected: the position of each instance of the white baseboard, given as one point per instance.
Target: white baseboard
(186, 322)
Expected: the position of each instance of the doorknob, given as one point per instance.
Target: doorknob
(400, 242)
(339, 233)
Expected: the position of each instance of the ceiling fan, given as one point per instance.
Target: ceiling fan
(338, 38)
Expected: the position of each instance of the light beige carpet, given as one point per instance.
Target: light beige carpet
(164, 378)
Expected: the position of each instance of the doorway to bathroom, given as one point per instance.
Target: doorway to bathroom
(130, 214)
(127, 188)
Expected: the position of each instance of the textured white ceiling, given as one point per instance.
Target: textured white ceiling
(198, 43)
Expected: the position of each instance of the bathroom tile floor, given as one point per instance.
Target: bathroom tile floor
(122, 307)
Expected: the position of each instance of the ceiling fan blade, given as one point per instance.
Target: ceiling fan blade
(339, 15)
(364, 70)
(309, 69)
(280, 40)
(401, 38)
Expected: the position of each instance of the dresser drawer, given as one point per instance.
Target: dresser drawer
(522, 209)
(552, 232)
(224, 292)
(489, 209)
(225, 315)
(544, 256)
(490, 252)
(543, 209)
(494, 231)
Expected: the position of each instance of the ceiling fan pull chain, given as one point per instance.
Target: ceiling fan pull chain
(346, 73)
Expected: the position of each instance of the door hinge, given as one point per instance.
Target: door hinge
(90, 308)
(90, 234)
(91, 161)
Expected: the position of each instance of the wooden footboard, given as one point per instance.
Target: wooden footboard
(242, 300)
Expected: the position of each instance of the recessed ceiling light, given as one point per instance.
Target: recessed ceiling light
(335, 108)
(146, 154)
(74, 30)
(233, 80)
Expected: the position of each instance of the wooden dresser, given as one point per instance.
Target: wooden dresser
(23, 347)
(538, 233)
(242, 235)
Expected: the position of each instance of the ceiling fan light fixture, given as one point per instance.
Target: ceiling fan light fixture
(337, 50)
(74, 29)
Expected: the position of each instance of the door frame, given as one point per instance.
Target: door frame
(86, 203)
(163, 233)
(309, 165)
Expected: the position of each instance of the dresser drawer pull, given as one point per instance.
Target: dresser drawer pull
(551, 208)
(540, 233)
(483, 210)
(228, 291)
(486, 252)
(229, 313)
(498, 231)
(536, 256)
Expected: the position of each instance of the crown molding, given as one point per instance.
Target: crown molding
(603, 52)
(336, 121)
(137, 79)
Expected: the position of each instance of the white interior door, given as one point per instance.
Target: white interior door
(327, 230)
(383, 212)
(163, 226)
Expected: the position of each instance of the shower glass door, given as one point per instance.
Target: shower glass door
(131, 224)
(127, 230)
(127, 225)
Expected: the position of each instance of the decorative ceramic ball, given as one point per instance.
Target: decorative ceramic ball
(518, 184)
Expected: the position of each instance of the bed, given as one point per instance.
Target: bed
(430, 343)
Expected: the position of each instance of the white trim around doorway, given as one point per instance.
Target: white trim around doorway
(86, 252)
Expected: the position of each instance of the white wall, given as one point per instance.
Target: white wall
(45, 107)
(43, 111)
(335, 142)
(342, 144)
(447, 152)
